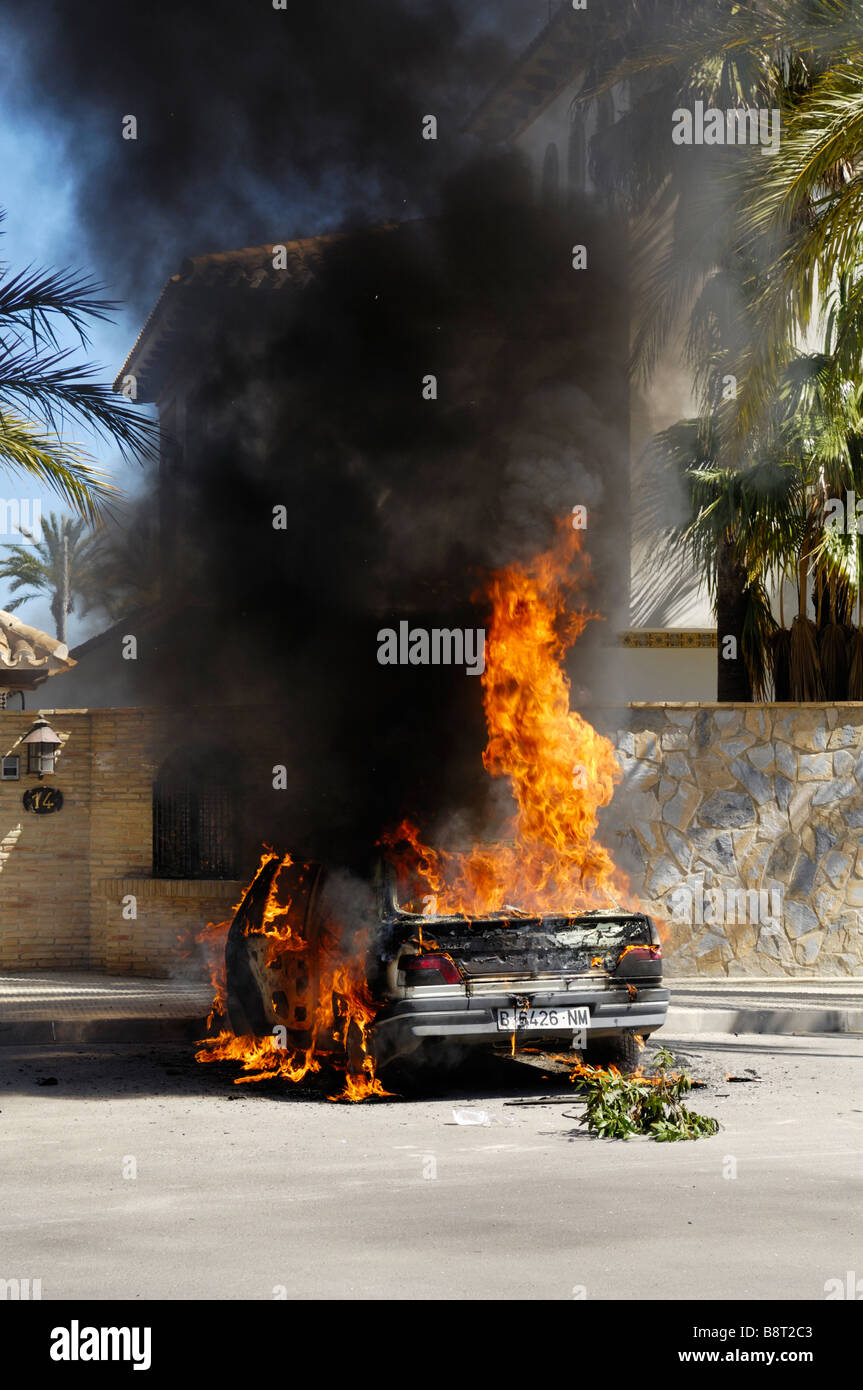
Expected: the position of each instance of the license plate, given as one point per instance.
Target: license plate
(543, 1020)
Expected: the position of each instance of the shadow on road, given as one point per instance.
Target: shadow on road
(119, 1071)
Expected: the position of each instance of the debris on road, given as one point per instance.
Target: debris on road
(619, 1106)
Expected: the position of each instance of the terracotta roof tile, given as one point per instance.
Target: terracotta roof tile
(249, 267)
(27, 655)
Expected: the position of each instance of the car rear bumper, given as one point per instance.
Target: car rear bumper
(407, 1023)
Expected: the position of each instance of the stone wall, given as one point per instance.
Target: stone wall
(741, 827)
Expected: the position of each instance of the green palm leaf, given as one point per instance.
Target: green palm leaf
(63, 467)
(42, 388)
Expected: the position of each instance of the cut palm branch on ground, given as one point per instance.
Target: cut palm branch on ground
(619, 1106)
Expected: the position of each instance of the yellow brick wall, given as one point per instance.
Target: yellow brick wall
(45, 895)
(63, 876)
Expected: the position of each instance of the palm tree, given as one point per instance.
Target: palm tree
(748, 250)
(752, 526)
(42, 389)
(58, 565)
(122, 573)
(730, 535)
(798, 214)
(688, 267)
(810, 213)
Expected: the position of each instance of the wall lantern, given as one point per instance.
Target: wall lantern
(42, 745)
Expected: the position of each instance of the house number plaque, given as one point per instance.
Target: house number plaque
(43, 800)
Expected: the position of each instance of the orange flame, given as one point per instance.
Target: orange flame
(343, 1012)
(561, 771)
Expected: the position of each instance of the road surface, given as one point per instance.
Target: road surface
(141, 1174)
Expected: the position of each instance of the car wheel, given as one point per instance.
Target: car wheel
(621, 1051)
(245, 1007)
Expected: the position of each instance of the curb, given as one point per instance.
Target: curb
(33, 1033)
(807, 1019)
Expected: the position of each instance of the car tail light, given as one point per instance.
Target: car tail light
(632, 953)
(433, 969)
(651, 950)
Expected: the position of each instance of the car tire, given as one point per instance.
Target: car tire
(245, 1008)
(621, 1051)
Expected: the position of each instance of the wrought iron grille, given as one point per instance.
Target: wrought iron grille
(193, 826)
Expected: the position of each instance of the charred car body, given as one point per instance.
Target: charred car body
(590, 981)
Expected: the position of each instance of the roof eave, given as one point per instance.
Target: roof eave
(533, 81)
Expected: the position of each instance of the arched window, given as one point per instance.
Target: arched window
(550, 175)
(194, 816)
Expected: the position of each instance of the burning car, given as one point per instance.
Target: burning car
(414, 984)
(591, 981)
(531, 934)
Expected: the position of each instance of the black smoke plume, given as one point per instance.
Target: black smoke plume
(253, 122)
(310, 397)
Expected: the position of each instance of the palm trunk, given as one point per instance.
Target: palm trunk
(63, 607)
(732, 678)
(802, 580)
(805, 675)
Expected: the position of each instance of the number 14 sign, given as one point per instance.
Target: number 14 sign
(42, 800)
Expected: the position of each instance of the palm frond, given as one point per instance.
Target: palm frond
(756, 646)
(805, 663)
(29, 299)
(42, 387)
(780, 656)
(855, 666)
(58, 390)
(833, 657)
(64, 468)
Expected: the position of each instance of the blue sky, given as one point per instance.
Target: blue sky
(37, 191)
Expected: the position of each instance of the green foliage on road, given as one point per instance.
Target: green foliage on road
(619, 1106)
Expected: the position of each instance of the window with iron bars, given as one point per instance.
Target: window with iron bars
(194, 819)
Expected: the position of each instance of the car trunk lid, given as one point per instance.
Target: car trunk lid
(507, 948)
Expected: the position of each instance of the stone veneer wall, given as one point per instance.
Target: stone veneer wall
(745, 797)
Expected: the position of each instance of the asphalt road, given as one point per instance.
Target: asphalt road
(248, 1193)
